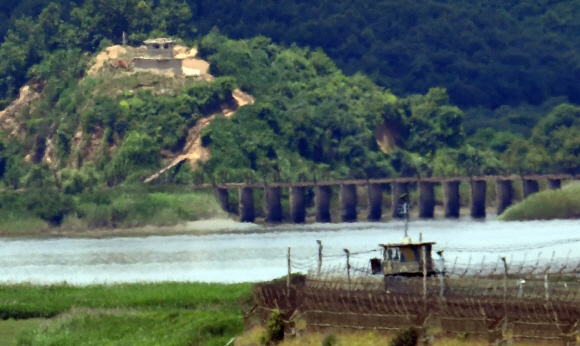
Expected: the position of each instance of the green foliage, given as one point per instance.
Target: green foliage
(123, 207)
(28, 301)
(46, 204)
(546, 205)
(143, 327)
(137, 154)
(274, 329)
(404, 337)
(488, 54)
(329, 340)
(144, 314)
(309, 121)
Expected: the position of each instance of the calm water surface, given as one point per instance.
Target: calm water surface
(254, 253)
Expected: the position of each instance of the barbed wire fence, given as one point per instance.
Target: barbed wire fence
(534, 298)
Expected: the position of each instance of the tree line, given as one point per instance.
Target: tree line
(311, 119)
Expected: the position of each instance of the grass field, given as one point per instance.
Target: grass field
(10, 329)
(135, 314)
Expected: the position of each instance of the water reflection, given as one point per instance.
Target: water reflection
(259, 253)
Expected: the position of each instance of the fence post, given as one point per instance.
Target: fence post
(289, 272)
(547, 286)
(319, 256)
(424, 260)
(505, 295)
(442, 274)
(348, 269)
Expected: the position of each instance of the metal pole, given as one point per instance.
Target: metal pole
(505, 294)
(319, 256)
(441, 274)
(348, 268)
(547, 286)
(289, 272)
(424, 259)
(406, 213)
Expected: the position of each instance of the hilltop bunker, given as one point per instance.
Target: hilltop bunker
(159, 57)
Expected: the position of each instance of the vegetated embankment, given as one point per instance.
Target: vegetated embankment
(547, 205)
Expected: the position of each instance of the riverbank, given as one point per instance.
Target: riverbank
(135, 209)
(547, 205)
(127, 314)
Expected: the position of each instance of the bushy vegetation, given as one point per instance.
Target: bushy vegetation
(129, 314)
(141, 327)
(121, 207)
(393, 112)
(485, 53)
(546, 205)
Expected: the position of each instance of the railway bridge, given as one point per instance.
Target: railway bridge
(399, 186)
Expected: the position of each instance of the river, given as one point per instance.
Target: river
(243, 252)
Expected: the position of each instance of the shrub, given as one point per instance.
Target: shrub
(405, 337)
(329, 340)
(274, 329)
(50, 205)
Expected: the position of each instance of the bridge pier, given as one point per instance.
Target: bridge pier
(297, 205)
(398, 189)
(426, 200)
(530, 186)
(505, 195)
(273, 204)
(554, 184)
(247, 212)
(452, 199)
(348, 201)
(375, 194)
(223, 198)
(323, 194)
(478, 195)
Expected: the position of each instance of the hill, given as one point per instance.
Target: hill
(84, 118)
(486, 54)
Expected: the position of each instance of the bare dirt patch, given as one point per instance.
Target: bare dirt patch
(113, 52)
(194, 151)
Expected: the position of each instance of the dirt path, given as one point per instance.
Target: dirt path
(193, 151)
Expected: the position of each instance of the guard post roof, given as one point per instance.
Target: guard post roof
(161, 40)
(408, 244)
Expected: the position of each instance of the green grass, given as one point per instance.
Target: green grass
(29, 301)
(10, 329)
(546, 205)
(128, 314)
(126, 327)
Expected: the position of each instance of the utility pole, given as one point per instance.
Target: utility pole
(505, 295)
(289, 272)
(319, 256)
(347, 268)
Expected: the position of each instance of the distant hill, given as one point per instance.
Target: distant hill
(485, 53)
(79, 110)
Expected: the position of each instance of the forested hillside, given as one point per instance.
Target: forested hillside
(373, 107)
(509, 65)
(485, 53)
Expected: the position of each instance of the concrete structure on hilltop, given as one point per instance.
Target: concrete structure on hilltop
(159, 57)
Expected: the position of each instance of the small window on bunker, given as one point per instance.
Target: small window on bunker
(156, 46)
(166, 46)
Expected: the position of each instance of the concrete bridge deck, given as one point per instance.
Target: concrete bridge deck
(389, 180)
(399, 186)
